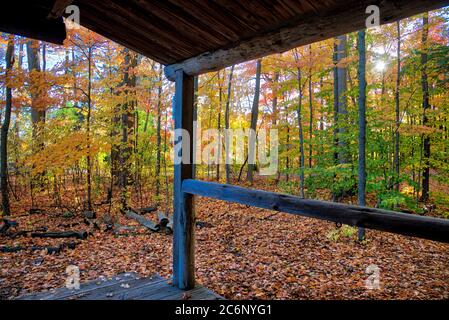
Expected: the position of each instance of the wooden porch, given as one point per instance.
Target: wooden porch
(191, 39)
(126, 286)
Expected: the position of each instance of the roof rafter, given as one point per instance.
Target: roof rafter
(301, 31)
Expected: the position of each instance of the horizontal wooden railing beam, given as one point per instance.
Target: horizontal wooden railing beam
(302, 30)
(371, 218)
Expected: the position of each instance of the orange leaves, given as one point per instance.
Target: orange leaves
(39, 86)
(416, 130)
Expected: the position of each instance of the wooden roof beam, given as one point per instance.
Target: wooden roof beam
(35, 26)
(302, 31)
(59, 8)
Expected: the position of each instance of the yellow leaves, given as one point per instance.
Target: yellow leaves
(64, 153)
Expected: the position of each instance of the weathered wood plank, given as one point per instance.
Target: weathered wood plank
(198, 293)
(119, 291)
(371, 218)
(206, 294)
(143, 221)
(183, 205)
(63, 293)
(349, 16)
(128, 286)
(59, 8)
(140, 28)
(148, 292)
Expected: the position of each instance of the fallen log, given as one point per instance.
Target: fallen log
(163, 219)
(164, 223)
(36, 211)
(23, 233)
(6, 249)
(6, 224)
(143, 211)
(64, 234)
(203, 224)
(143, 221)
(48, 249)
(14, 235)
(148, 209)
(118, 228)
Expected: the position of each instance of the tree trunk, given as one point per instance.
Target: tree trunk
(275, 85)
(342, 99)
(254, 116)
(37, 112)
(220, 99)
(397, 101)
(127, 123)
(195, 138)
(335, 111)
(426, 106)
(44, 57)
(335, 124)
(9, 59)
(88, 119)
(362, 124)
(21, 55)
(274, 118)
(227, 142)
(301, 134)
(158, 133)
(287, 160)
(310, 107)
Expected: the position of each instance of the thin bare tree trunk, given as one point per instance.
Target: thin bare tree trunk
(37, 112)
(342, 99)
(158, 132)
(88, 119)
(254, 116)
(301, 133)
(397, 101)
(220, 99)
(310, 107)
(227, 142)
(362, 125)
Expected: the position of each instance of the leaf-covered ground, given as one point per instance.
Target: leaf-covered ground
(241, 253)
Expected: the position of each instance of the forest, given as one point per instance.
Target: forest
(86, 152)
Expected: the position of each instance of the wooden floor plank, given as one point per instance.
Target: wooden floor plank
(149, 289)
(61, 293)
(117, 291)
(126, 286)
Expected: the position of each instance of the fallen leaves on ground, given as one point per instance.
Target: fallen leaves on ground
(241, 253)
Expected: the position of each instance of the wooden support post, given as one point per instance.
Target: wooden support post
(183, 206)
